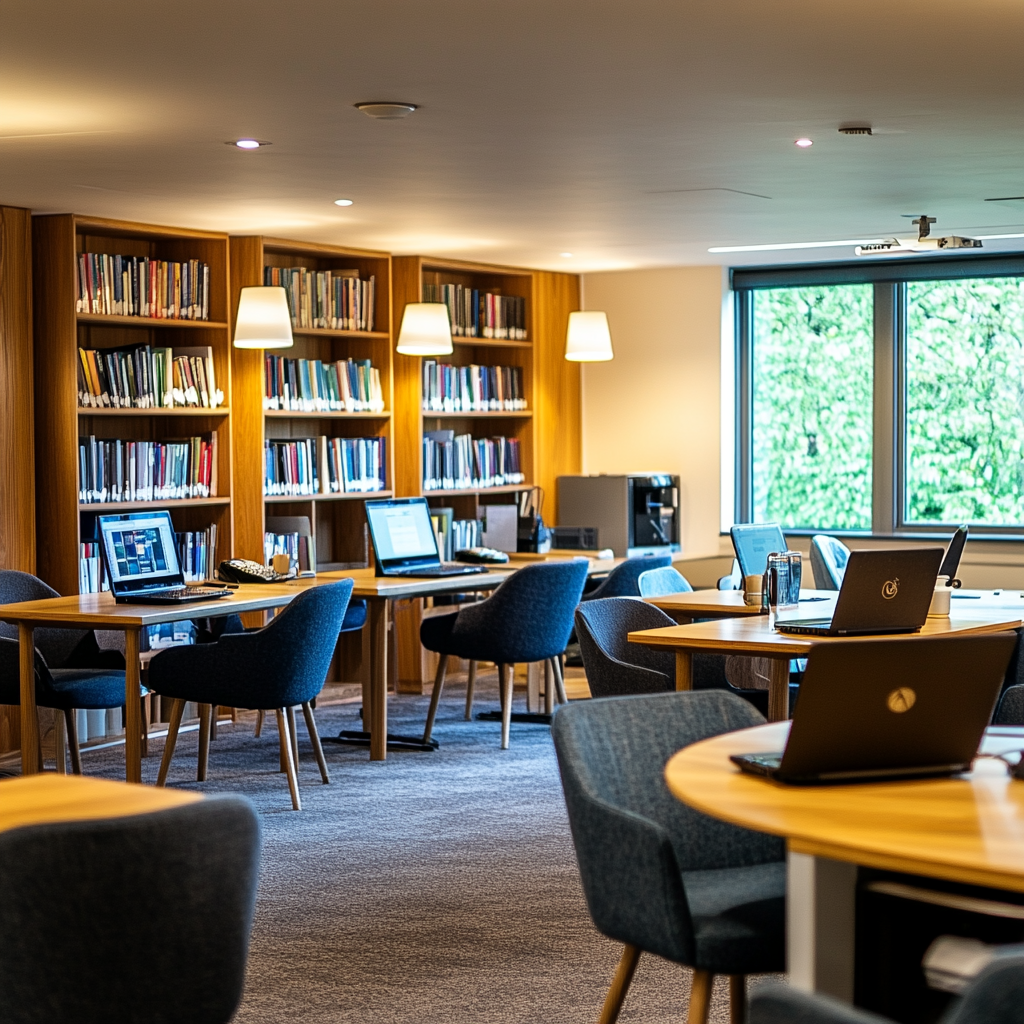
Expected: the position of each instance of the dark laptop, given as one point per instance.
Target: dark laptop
(890, 709)
(404, 542)
(753, 543)
(141, 560)
(885, 590)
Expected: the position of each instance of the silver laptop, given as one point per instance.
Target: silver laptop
(885, 590)
(753, 543)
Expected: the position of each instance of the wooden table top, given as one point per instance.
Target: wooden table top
(729, 603)
(755, 635)
(37, 799)
(966, 829)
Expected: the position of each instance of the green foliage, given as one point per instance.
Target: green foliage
(965, 392)
(812, 374)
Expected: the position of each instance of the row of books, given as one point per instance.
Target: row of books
(139, 286)
(465, 462)
(117, 470)
(196, 556)
(477, 314)
(455, 534)
(472, 388)
(333, 299)
(309, 385)
(145, 377)
(299, 547)
(324, 465)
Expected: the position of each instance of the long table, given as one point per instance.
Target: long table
(729, 604)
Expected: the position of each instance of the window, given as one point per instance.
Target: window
(885, 396)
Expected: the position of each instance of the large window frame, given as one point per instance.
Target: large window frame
(889, 278)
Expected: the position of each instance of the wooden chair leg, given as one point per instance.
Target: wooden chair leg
(737, 999)
(620, 985)
(59, 744)
(177, 710)
(470, 688)
(506, 674)
(293, 735)
(549, 688)
(204, 742)
(259, 723)
(72, 729)
(435, 696)
(700, 997)
(286, 754)
(556, 665)
(314, 738)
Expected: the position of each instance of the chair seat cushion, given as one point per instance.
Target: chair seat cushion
(355, 616)
(85, 688)
(739, 918)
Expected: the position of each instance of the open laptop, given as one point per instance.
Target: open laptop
(753, 543)
(885, 590)
(141, 560)
(404, 543)
(890, 709)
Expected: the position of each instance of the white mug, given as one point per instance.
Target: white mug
(939, 607)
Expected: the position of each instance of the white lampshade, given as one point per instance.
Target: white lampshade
(426, 330)
(263, 319)
(588, 339)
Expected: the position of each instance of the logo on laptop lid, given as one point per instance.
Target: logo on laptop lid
(890, 588)
(901, 699)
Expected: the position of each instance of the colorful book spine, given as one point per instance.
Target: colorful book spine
(336, 300)
(472, 388)
(309, 466)
(478, 314)
(139, 286)
(463, 462)
(146, 377)
(310, 385)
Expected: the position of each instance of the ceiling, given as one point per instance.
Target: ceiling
(630, 134)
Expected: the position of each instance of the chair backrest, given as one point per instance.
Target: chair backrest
(666, 580)
(143, 918)
(828, 561)
(734, 581)
(614, 666)
(622, 580)
(55, 645)
(996, 996)
(614, 751)
(528, 618)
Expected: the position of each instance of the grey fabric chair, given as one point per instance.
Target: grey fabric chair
(142, 919)
(622, 580)
(666, 580)
(995, 997)
(828, 561)
(615, 667)
(658, 876)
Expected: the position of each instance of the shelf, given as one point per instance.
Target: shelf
(141, 506)
(491, 343)
(113, 320)
(221, 410)
(523, 414)
(280, 499)
(472, 491)
(285, 414)
(327, 332)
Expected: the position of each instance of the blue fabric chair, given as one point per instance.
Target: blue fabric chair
(622, 580)
(275, 668)
(144, 918)
(996, 996)
(528, 618)
(666, 580)
(71, 670)
(658, 876)
(828, 561)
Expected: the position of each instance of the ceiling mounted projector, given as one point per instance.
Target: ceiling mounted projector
(386, 111)
(922, 244)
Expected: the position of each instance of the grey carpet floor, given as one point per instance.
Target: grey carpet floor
(438, 886)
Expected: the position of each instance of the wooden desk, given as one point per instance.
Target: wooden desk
(729, 604)
(963, 829)
(754, 635)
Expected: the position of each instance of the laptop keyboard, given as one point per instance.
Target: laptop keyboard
(181, 593)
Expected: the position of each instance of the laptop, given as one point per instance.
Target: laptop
(404, 543)
(890, 709)
(885, 590)
(753, 543)
(141, 560)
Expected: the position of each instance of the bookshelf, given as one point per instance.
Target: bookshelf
(337, 519)
(62, 521)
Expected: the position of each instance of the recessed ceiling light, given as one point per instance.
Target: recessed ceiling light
(804, 143)
(386, 111)
(567, 255)
(247, 144)
(342, 202)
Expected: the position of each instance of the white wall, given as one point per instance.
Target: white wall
(657, 405)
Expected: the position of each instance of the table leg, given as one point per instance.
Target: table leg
(684, 670)
(376, 722)
(29, 712)
(778, 690)
(820, 911)
(132, 707)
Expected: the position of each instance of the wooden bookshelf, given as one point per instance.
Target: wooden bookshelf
(337, 520)
(61, 522)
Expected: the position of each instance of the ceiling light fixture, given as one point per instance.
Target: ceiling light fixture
(263, 319)
(588, 339)
(855, 129)
(566, 255)
(804, 143)
(426, 330)
(383, 111)
(342, 202)
(247, 144)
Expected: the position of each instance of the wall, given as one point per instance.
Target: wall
(657, 404)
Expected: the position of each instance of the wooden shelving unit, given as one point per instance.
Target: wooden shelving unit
(59, 332)
(338, 520)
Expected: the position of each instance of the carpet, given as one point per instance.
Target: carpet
(432, 886)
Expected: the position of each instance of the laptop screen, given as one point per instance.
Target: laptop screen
(402, 533)
(139, 551)
(753, 543)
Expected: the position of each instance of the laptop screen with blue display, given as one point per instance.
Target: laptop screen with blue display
(402, 532)
(139, 551)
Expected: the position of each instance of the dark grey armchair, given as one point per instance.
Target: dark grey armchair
(657, 875)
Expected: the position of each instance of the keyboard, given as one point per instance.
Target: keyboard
(444, 569)
(175, 595)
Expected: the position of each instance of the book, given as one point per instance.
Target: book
(326, 299)
(324, 465)
(139, 286)
(196, 552)
(463, 462)
(291, 536)
(478, 314)
(311, 385)
(148, 377)
(472, 388)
